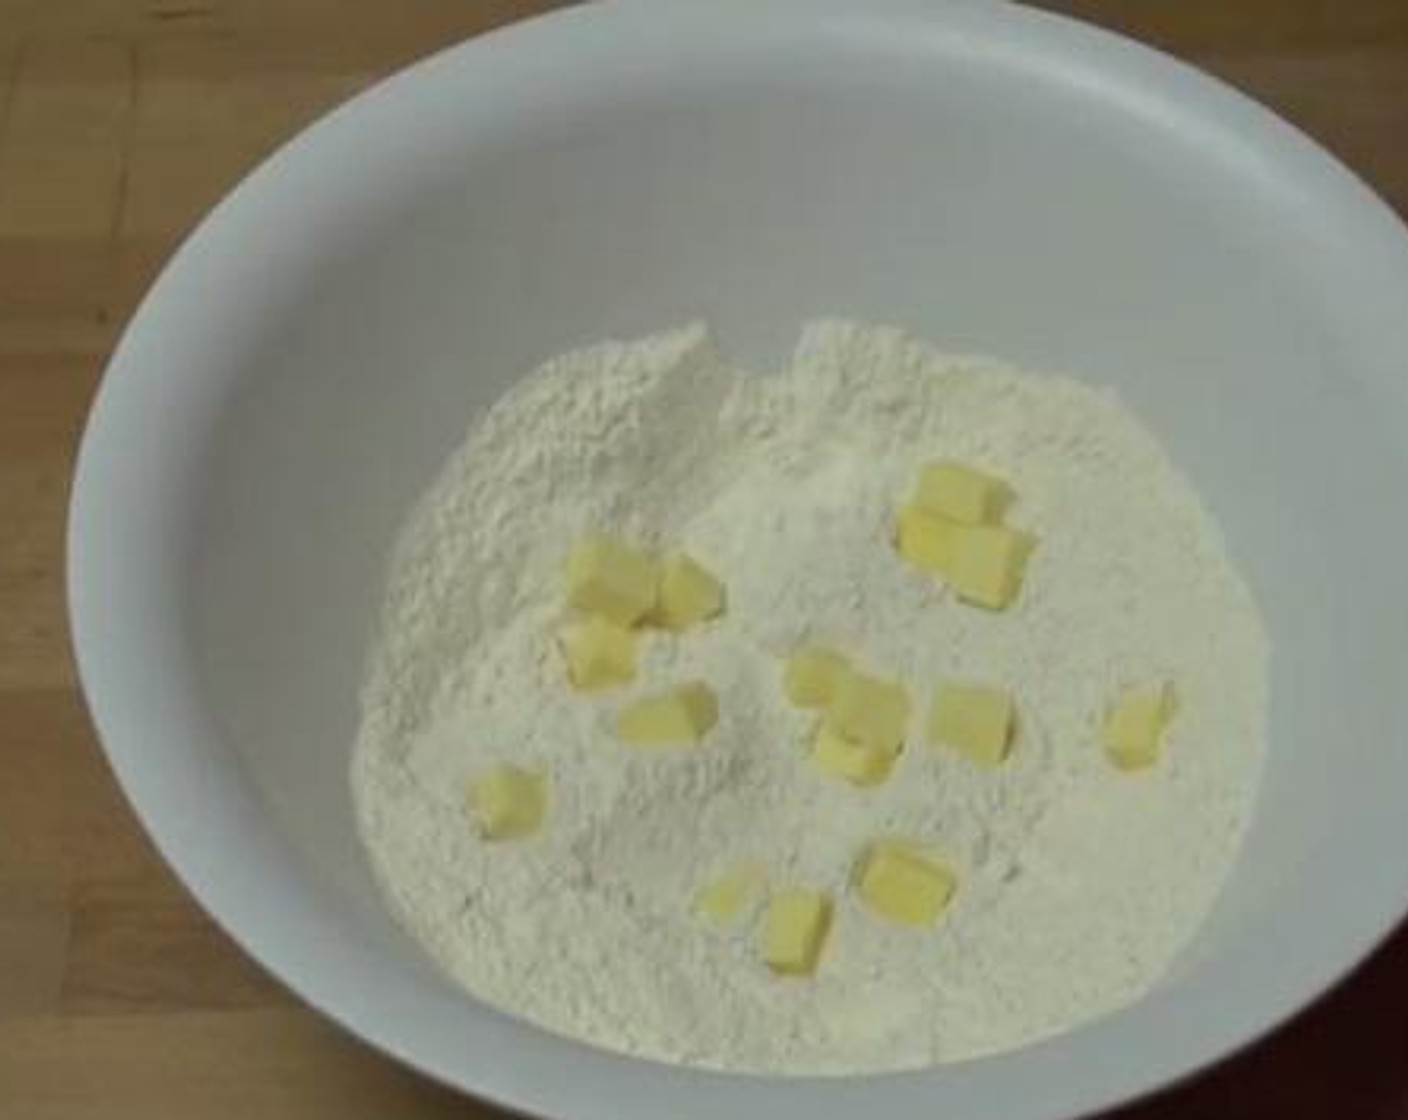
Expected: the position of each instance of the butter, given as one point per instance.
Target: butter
(975, 720)
(962, 494)
(611, 580)
(988, 563)
(839, 757)
(599, 654)
(795, 929)
(1134, 726)
(681, 715)
(689, 594)
(869, 711)
(508, 802)
(925, 539)
(723, 899)
(897, 880)
(812, 676)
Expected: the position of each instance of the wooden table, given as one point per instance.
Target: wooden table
(120, 122)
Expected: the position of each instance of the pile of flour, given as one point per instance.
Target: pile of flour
(1078, 883)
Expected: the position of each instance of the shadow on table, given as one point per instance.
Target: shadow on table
(1345, 1059)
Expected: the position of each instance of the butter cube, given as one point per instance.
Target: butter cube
(508, 802)
(869, 711)
(684, 714)
(899, 881)
(689, 594)
(812, 675)
(962, 494)
(723, 899)
(795, 930)
(599, 654)
(925, 539)
(988, 563)
(976, 720)
(1134, 727)
(610, 579)
(854, 762)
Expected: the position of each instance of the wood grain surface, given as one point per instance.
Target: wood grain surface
(121, 121)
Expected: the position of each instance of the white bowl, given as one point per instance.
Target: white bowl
(998, 179)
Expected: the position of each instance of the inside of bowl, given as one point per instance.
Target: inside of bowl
(1045, 221)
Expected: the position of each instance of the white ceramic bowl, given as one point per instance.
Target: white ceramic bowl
(998, 179)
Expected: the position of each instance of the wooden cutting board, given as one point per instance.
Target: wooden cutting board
(121, 121)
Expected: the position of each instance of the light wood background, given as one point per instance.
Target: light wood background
(121, 121)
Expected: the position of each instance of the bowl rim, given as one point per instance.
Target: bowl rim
(118, 581)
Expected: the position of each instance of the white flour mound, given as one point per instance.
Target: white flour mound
(1079, 884)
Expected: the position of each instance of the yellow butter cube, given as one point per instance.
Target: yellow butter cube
(962, 494)
(870, 711)
(1134, 726)
(854, 762)
(925, 539)
(610, 579)
(976, 720)
(599, 654)
(507, 801)
(988, 564)
(795, 930)
(684, 714)
(899, 881)
(812, 675)
(689, 594)
(725, 898)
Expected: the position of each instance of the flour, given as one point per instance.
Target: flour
(1078, 884)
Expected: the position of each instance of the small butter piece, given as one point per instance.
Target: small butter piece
(684, 714)
(795, 930)
(925, 539)
(839, 757)
(723, 899)
(899, 881)
(812, 676)
(1134, 727)
(962, 494)
(870, 711)
(610, 579)
(599, 654)
(976, 720)
(988, 563)
(508, 802)
(689, 594)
